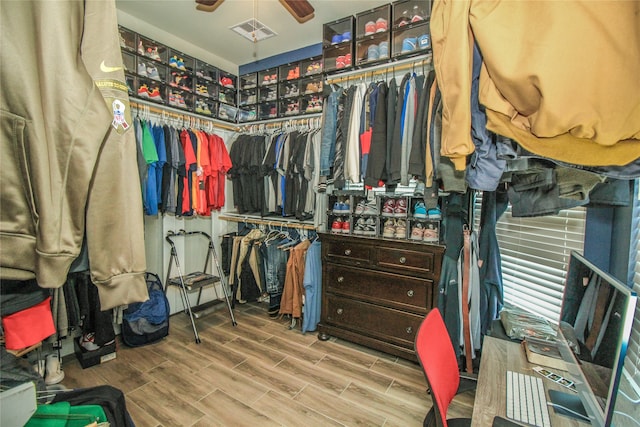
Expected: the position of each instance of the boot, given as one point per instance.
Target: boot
(55, 374)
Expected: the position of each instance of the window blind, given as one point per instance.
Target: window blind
(535, 253)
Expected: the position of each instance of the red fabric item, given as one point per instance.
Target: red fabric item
(29, 326)
(190, 165)
(438, 360)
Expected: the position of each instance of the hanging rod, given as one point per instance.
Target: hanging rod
(186, 116)
(274, 223)
(400, 65)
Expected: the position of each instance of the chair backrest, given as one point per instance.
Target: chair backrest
(438, 360)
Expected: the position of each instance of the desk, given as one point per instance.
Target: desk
(499, 356)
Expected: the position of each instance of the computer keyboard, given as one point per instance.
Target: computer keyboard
(526, 401)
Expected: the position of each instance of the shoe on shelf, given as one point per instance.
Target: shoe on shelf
(359, 227)
(154, 95)
(373, 52)
(401, 229)
(400, 209)
(336, 39)
(389, 229)
(54, 373)
(381, 25)
(346, 226)
(417, 233)
(173, 62)
(384, 50)
(336, 225)
(180, 64)
(409, 44)
(140, 48)
(142, 69)
(152, 73)
(346, 36)
(340, 208)
(143, 91)
(388, 207)
(431, 234)
(365, 207)
(434, 213)
(369, 28)
(424, 41)
(199, 106)
(419, 210)
(419, 189)
(205, 108)
(152, 53)
(369, 227)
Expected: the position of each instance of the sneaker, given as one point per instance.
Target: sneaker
(388, 208)
(431, 234)
(400, 209)
(373, 53)
(54, 373)
(340, 208)
(142, 69)
(140, 48)
(401, 229)
(384, 50)
(366, 208)
(419, 190)
(346, 36)
(87, 342)
(419, 210)
(152, 53)
(180, 64)
(199, 107)
(369, 28)
(123, 42)
(389, 229)
(143, 91)
(205, 108)
(154, 95)
(226, 82)
(417, 233)
(434, 213)
(152, 72)
(381, 25)
(340, 62)
(347, 60)
(370, 227)
(336, 225)
(424, 41)
(346, 227)
(409, 44)
(173, 62)
(336, 39)
(359, 227)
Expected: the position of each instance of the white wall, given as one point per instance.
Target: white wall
(171, 40)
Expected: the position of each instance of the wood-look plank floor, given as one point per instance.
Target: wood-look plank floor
(261, 373)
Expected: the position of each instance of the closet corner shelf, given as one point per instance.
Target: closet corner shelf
(394, 65)
(273, 222)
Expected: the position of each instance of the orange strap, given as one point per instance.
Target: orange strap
(466, 330)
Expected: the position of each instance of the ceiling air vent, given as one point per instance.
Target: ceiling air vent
(253, 30)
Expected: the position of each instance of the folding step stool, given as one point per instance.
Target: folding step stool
(197, 281)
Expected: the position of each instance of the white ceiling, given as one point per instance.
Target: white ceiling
(210, 31)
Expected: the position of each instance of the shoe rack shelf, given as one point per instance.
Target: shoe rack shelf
(170, 77)
(387, 33)
(287, 90)
(398, 217)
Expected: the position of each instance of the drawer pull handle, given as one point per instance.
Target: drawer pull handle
(402, 260)
(347, 252)
(410, 293)
(339, 311)
(340, 279)
(409, 329)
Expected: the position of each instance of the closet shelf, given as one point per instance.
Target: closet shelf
(393, 66)
(272, 222)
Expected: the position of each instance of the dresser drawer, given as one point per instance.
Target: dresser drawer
(349, 252)
(406, 261)
(402, 292)
(387, 324)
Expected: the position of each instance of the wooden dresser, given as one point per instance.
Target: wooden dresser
(376, 292)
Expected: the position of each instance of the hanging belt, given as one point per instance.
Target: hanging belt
(466, 330)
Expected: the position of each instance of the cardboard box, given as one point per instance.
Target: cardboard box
(92, 358)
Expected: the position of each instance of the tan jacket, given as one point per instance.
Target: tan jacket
(68, 153)
(562, 78)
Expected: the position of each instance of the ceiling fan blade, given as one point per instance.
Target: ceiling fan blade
(301, 10)
(208, 5)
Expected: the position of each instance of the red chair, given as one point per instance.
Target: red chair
(438, 360)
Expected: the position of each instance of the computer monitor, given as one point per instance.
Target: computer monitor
(596, 317)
